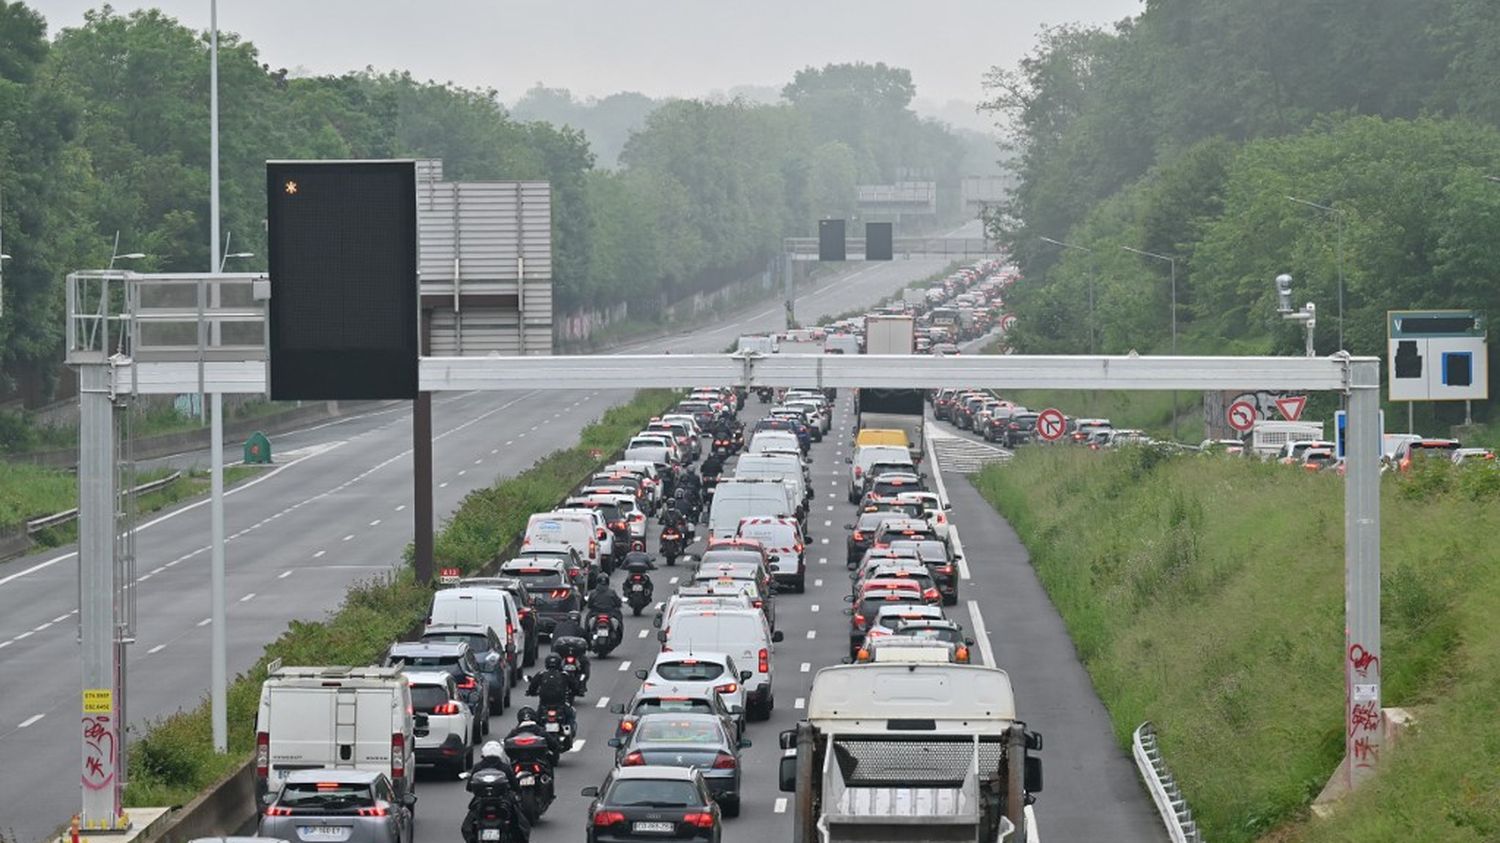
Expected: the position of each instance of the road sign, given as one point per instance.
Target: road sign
(1290, 407)
(449, 576)
(1437, 355)
(1241, 416)
(1007, 323)
(1051, 424)
(1341, 430)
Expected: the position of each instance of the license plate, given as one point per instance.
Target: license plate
(526, 779)
(554, 727)
(653, 828)
(638, 587)
(489, 834)
(323, 832)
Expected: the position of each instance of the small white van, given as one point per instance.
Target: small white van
(492, 607)
(741, 633)
(736, 499)
(575, 529)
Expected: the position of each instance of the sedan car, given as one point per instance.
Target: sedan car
(699, 741)
(652, 803)
(347, 806)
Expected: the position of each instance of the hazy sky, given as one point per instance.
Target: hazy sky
(658, 47)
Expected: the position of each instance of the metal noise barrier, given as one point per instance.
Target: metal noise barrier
(1170, 803)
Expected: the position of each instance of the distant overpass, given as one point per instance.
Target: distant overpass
(903, 248)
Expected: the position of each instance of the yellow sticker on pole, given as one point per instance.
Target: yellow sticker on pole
(98, 700)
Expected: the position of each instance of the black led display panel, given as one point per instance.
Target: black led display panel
(343, 264)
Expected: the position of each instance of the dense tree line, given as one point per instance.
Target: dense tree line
(1183, 130)
(104, 129)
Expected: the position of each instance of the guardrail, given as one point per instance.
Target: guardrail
(1174, 810)
(36, 525)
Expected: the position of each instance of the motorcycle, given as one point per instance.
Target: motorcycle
(638, 590)
(532, 762)
(764, 393)
(555, 721)
(671, 544)
(491, 817)
(605, 637)
(574, 652)
(723, 447)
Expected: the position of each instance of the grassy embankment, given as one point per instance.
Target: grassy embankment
(1206, 594)
(175, 760)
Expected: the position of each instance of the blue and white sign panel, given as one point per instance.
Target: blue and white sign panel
(1437, 355)
(1341, 428)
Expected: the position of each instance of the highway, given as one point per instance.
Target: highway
(1092, 790)
(335, 510)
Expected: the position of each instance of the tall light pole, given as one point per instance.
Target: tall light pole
(1340, 215)
(1092, 270)
(218, 669)
(1172, 263)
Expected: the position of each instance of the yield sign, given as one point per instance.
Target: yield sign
(1241, 416)
(1291, 406)
(1051, 424)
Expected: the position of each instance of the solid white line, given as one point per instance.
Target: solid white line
(603, 701)
(247, 598)
(806, 667)
(981, 634)
(157, 649)
(27, 634)
(30, 720)
(42, 627)
(205, 621)
(61, 618)
(158, 569)
(812, 633)
(624, 666)
(284, 574)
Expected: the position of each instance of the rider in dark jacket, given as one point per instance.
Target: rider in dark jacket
(604, 600)
(569, 627)
(553, 687)
(492, 757)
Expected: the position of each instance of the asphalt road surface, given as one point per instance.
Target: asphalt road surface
(335, 510)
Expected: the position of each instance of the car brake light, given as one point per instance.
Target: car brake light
(931, 594)
(262, 754)
(962, 654)
(727, 689)
(699, 820)
(278, 811)
(594, 548)
(858, 472)
(627, 725)
(859, 535)
(945, 569)
(510, 629)
(445, 708)
(377, 811)
(634, 759)
(724, 761)
(467, 684)
(570, 659)
(398, 755)
(765, 660)
(558, 593)
(859, 620)
(604, 819)
(758, 603)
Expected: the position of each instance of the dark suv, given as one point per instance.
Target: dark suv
(1020, 429)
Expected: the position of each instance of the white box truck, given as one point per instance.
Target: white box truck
(889, 334)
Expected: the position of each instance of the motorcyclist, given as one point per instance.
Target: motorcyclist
(569, 626)
(604, 600)
(638, 561)
(724, 427)
(552, 687)
(569, 637)
(527, 723)
(694, 487)
(492, 757)
(674, 518)
(713, 466)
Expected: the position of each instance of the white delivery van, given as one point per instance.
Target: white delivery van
(741, 633)
(766, 466)
(492, 607)
(782, 539)
(866, 456)
(346, 718)
(573, 529)
(736, 499)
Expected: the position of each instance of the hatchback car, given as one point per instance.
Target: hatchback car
(445, 741)
(339, 806)
(652, 803)
(482, 641)
(455, 658)
(553, 592)
(699, 741)
(696, 673)
(698, 702)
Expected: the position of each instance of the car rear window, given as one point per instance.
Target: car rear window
(477, 643)
(326, 796)
(538, 579)
(425, 698)
(681, 705)
(729, 557)
(932, 633)
(653, 793)
(870, 605)
(689, 670)
(673, 730)
(707, 629)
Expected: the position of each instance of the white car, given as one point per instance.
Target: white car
(696, 673)
(933, 508)
(705, 596)
(446, 742)
(866, 456)
(741, 633)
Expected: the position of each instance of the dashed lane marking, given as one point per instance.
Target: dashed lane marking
(643, 633)
(284, 574)
(578, 745)
(814, 607)
(800, 704)
(375, 523)
(780, 807)
(247, 598)
(807, 667)
(30, 720)
(157, 649)
(205, 621)
(603, 702)
(817, 583)
(348, 537)
(319, 554)
(625, 665)
(811, 634)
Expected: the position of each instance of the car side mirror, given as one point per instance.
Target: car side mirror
(656, 621)
(1033, 775)
(409, 799)
(736, 709)
(492, 660)
(848, 526)
(848, 460)
(968, 642)
(617, 708)
(661, 636)
(846, 660)
(745, 675)
(268, 799)
(591, 791)
(787, 774)
(744, 743)
(849, 598)
(777, 637)
(614, 742)
(787, 739)
(642, 674)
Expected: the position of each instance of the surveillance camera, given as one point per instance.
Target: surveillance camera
(1284, 293)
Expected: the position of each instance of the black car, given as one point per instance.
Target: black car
(553, 593)
(1020, 429)
(456, 658)
(939, 559)
(862, 613)
(862, 533)
(653, 803)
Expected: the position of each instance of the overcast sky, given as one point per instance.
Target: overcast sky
(657, 47)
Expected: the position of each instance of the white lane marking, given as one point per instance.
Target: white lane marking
(462, 472)
(443, 485)
(942, 490)
(534, 427)
(400, 507)
(603, 701)
(780, 805)
(643, 633)
(823, 561)
(625, 665)
(284, 574)
(830, 509)
(811, 634)
(319, 554)
(42, 627)
(578, 745)
(833, 494)
(981, 635)
(23, 636)
(30, 720)
(247, 598)
(481, 459)
(60, 618)
(828, 523)
(205, 621)
(817, 583)
(157, 649)
(375, 523)
(672, 581)
(348, 537)
(800, 704)
(494, 450)
(814, 607)
(158, 569)
(825, 540)
(510, 442)
(806, 667)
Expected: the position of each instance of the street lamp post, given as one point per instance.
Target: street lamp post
(1340, 214)
(1093, 268)
(1172, 264)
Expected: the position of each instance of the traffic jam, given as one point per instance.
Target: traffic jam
(678, 648)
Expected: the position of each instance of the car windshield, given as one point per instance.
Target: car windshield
(672, 730)
(689, 670)
(653, 793)
(425, 698)
(332, 796)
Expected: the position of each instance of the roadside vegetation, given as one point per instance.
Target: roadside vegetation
(1206, 594)
(173, 761)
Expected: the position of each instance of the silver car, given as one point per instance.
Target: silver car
(339, 806)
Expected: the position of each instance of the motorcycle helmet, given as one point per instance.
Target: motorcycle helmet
(553, 662)
(492, 749)
(526, 714)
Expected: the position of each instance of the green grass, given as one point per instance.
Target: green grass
(174, 760)
(1206, 594)
(183, 488)
(29, 491)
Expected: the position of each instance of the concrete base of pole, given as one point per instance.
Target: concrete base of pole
(1395, 721)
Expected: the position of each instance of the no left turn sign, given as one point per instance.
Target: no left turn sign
(1241, 416)
(1051, 424)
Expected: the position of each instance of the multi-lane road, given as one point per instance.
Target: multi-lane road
(335, 510)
